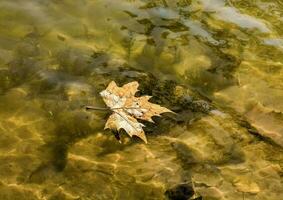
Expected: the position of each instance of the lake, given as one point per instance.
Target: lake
(218, 64)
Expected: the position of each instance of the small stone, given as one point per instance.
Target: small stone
(210, 193)
(180, 192)
(247, 186)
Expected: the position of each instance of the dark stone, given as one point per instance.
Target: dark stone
(182, 191)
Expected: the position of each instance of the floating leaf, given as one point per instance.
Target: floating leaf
(127, 109)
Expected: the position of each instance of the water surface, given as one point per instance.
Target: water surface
(218, 64)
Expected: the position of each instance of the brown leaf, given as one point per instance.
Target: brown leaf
(127, 108)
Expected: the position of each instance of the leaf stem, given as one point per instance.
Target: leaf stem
(106, 109)
(96, 108)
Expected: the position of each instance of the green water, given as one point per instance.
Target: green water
(218, 64)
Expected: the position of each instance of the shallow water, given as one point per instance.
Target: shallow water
(218, 64)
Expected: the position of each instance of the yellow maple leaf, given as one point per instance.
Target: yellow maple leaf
(127, 108)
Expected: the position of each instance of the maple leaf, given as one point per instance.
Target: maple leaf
(127, 109)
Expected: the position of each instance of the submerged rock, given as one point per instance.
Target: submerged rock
(180, 192)
(267, 122)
